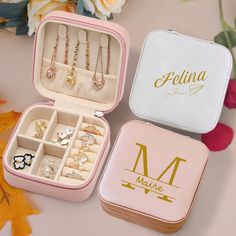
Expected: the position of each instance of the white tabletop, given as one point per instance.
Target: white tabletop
(214, 211)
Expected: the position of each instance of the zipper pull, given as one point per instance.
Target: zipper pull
(172, 30)
(99, 114)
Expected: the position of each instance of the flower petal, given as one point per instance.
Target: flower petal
(113, 6)
(89, 6)
(102, 8)
(219, 138)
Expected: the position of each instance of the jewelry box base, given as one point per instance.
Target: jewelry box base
(143, 220)
(66, 194)
(65, 171)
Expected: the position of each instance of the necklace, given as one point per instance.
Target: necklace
(51, 71)
(98, 83)
(70, 78)
(63, 34)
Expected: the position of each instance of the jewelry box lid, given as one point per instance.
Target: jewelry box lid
(180, 81)
(84, 96)
(154, 172)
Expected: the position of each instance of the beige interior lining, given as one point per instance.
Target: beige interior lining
(82, 93)
(44, 149)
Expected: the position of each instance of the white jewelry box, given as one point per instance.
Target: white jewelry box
(181, 81)
(58, 148)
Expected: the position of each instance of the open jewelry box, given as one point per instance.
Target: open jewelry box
(58, 148)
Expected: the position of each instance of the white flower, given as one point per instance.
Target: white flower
(103, 8)
(37, 9)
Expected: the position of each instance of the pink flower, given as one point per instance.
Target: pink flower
(230, 98)
(219, 138)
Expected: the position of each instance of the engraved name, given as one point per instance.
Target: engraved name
(149, 184)
(185, 77)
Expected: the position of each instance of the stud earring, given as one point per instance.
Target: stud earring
(20, 161)
(40, 128)
(63, 137)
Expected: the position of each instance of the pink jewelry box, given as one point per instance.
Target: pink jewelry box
(59, 147)
(152, 176)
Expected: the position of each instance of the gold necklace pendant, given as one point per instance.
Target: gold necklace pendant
(71, 76)
(51, 72)
(70, 79)
(98, 83)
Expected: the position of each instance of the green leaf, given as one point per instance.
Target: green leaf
(220, 38)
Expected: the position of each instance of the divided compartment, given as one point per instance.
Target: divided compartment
(48, 161)
(71, 172)
(36, 116)
(20, 146)
(61, 122)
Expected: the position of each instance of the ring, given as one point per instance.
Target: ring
(80, 158)
(48, 170)
(85, 147)
(88, 139)
(74, 175)
(91, 129)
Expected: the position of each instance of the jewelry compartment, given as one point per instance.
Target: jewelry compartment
(48, 161)
(22, 153)
(68, 152)
(79, 66)
(80, 62)
(36, 120)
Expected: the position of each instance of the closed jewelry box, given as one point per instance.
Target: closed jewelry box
(181, 81)
(58, 147)
(152, 176)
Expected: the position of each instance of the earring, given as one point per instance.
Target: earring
(20, 161)
(28, 159)
(40, 128)
(63, 137)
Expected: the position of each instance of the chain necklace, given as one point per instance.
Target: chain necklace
(98, 83)
(70, 78)
(51, 71)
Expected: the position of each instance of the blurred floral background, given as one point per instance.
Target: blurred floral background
(23, 16)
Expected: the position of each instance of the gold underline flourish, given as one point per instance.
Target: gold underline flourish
(152, 178)
(164, 195)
